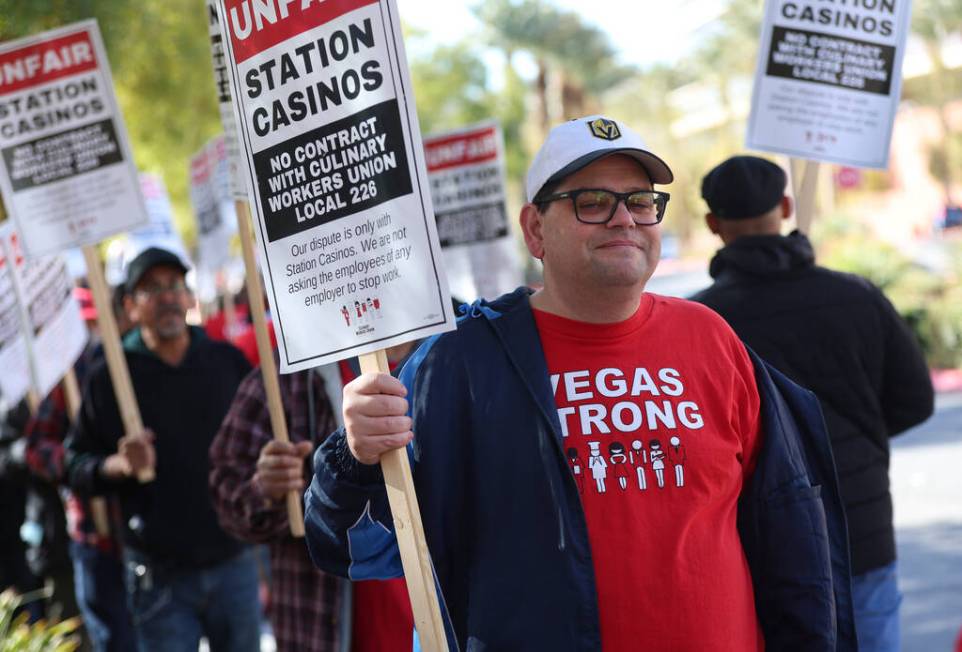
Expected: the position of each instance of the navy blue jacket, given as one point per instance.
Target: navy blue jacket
(511, 555)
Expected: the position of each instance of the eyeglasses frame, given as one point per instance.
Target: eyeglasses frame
(661, 202)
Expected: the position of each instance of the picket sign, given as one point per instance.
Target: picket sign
(116, 362)
(98, 505)
(415, 558)
(272, 387)
(804, 183)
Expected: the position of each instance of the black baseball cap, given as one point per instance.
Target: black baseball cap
(147, 259)
(743, 187)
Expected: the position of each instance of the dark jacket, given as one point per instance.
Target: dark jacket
(837, 335)
(512, 558)
(171, 520)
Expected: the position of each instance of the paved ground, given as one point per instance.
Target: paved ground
(927, 487)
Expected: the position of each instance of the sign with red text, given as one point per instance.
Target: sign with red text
(336, 175)
(52, 325)
(236, 183)
(829, 80)
(210, 194)
(66, 171)
(467, 173)
(15, 374)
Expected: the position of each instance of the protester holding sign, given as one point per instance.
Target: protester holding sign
(839, 336)
(186, 577)
(593, 375)
(97, 568)
(251, 473)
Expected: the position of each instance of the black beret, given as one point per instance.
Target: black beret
(148, 258)
(743, 187)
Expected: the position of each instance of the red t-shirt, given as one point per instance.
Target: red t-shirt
(383, 620)
(660, 422)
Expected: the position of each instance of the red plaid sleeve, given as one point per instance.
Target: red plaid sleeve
(44, 433)
(242, 509)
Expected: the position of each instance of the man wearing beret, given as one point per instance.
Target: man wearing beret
(699, 529)
(837, 335)
(186, 577)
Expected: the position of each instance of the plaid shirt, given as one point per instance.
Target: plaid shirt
(45, 433)
(305, 603)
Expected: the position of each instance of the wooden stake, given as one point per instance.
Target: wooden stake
(98, 504)
(415, 558)
(272, 386)
(71, 392)
(116, 362)
(805, 194)
(33, 401)
(230, 314)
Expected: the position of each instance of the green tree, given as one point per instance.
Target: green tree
(729, 52)
(934, 21)
(575, 61)
(451, 88)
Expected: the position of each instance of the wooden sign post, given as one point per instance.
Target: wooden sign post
(98, 505)
(272, 387)
(113, 351)
(415, 558)
(804, 185)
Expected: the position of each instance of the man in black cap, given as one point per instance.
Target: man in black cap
(839, 336)
(186, 577)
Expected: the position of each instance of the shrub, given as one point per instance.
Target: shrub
(17, 635)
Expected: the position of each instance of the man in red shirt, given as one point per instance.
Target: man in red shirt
(497, 465)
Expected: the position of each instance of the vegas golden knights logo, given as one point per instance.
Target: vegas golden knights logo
(605, 129)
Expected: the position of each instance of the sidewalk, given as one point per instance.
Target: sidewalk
(926, 478)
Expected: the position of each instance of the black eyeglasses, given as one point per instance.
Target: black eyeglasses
(598, 206)
(154, 290)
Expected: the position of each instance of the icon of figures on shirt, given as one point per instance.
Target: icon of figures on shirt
(357, 309)
(598, 466)
(677, 456)
(577, 468)
(374, 308)
(616, 454)
(347, 315)
(638, 457)
(657, 456)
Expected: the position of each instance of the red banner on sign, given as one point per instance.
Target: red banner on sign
(256, 25)
(44, 62)
(462, 149)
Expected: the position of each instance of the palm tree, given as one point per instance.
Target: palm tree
(575, 61)
(934, 21)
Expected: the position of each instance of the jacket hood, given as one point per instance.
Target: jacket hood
(764, 255)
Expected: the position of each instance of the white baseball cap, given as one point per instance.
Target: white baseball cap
(574, 144)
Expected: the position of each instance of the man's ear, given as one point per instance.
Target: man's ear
(787, 206)
(532, 222)
(711, 220)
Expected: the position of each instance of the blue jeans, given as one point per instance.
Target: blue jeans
(172, 610)
(877, 600)
(101, 598)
